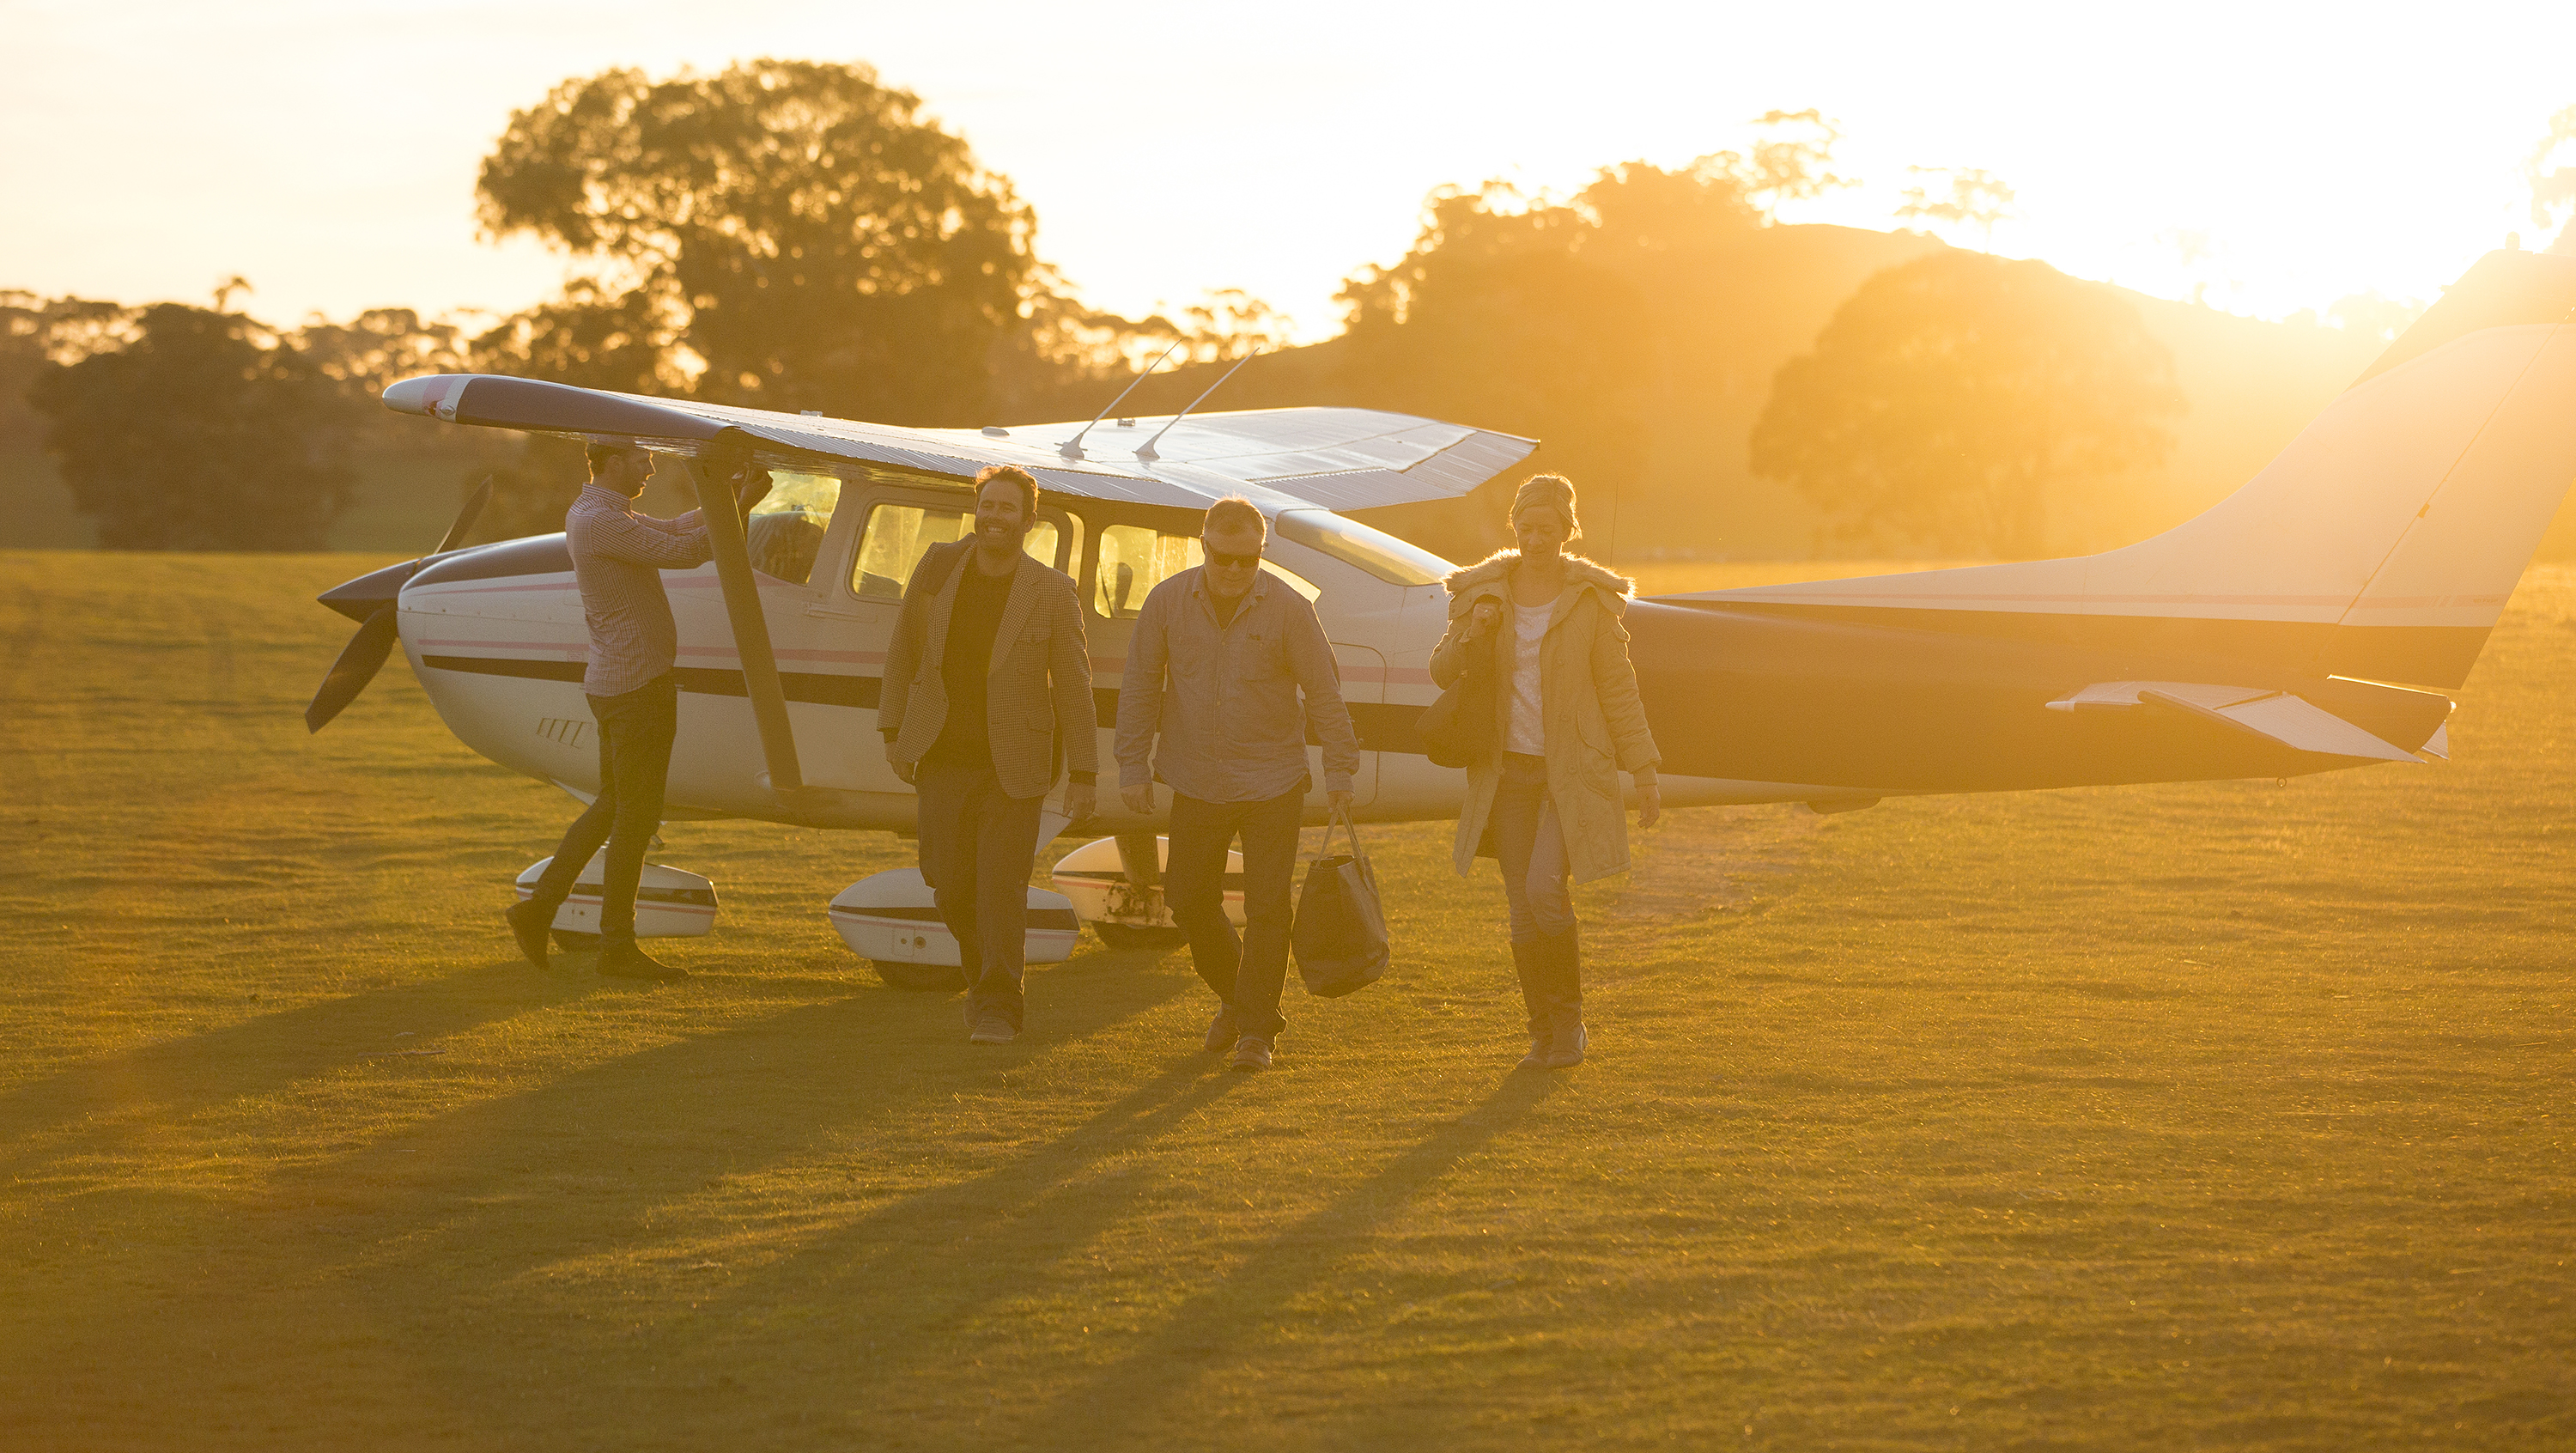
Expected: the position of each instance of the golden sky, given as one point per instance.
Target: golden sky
(2268, 157)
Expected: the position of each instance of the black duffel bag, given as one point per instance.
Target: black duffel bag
(1458, 729)
(1340, 932)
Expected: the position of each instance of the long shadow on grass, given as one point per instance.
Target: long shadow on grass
(90, 1106)
(504, 1203)
(984, 1236)
(1119, 1404)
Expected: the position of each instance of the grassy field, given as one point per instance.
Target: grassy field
(2218, 1116)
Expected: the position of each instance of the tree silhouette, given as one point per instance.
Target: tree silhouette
(1975, 198)
(2551, 170)
(1950, 396)
(782, 234)
(203, 430)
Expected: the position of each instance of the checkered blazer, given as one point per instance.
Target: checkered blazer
(1037, 695)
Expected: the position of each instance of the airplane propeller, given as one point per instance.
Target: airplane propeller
(365, 654)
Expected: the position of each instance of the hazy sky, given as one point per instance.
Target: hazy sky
(2280, 156)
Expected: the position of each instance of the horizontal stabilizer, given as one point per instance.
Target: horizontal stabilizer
(2276, 716)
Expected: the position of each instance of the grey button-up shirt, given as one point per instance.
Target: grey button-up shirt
(618, 557)
(1223, 699)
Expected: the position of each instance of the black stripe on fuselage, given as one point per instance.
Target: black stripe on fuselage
(1380, 727)
(1768, 696)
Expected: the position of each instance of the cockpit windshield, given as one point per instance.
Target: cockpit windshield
(1375, 551)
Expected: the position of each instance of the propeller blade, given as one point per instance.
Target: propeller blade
(465, 518)
(359, 661)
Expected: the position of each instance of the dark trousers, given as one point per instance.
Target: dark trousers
(1249, 973)
(635, 732)
(976, 849)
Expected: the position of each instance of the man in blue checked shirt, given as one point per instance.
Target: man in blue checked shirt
(1210, 704)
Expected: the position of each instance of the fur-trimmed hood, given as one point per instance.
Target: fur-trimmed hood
(1614, 587)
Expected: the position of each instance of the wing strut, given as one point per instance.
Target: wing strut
(742, 612)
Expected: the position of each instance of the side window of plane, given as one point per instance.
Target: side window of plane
(1133, 560)
(1136, 558)
(898, 535)
(786, 531)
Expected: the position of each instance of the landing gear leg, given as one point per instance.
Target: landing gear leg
(1140, 858)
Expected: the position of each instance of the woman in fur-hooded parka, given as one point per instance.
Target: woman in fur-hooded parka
(1593, 728)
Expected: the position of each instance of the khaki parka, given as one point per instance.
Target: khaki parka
(1595, 725)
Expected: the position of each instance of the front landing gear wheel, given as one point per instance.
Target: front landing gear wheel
(919, 976)
(1127, 937)
(576, 943)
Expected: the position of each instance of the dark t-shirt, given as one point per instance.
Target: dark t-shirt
(965, 738)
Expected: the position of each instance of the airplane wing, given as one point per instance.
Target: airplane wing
(1335, 458)
(2277, 716)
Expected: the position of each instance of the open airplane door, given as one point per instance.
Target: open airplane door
(709, 475)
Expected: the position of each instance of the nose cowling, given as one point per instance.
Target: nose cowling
(360, 598)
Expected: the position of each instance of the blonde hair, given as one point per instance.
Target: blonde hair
(1234, 512)
(1549, 491)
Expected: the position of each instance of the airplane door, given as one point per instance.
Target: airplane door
(839, 746)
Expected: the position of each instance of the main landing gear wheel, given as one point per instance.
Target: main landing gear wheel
(576, 943)
(918, 976)
(1128, 938)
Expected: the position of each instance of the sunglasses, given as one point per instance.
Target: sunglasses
(1233, 562)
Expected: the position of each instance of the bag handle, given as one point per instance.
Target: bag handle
(1341, 817)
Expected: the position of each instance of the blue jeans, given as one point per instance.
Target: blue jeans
(1530, 843)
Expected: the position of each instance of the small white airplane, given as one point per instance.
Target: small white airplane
(2313, 620)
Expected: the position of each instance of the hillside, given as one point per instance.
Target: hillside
(1662, 464)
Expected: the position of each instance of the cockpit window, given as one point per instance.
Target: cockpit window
(786, 530)
(1375, 551)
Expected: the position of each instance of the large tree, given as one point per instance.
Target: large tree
(201, 431)
(1950, 397)
(783, 234)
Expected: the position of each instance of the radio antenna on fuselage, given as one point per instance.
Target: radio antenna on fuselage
(1072, 448)
(1146, 449)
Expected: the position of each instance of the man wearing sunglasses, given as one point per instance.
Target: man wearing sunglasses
(1210, 704)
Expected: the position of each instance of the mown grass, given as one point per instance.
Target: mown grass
(2225, 1115)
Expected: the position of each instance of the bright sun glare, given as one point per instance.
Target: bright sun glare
(2266, 160)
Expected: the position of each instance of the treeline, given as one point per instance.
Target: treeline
(795, 235)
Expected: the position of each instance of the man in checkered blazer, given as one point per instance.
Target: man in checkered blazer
(987, 696)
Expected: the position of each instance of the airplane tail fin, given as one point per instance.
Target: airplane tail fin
(2382, 544)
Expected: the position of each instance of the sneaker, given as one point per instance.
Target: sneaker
(1251, 1054)
(1221, 1029)
(992, 1029)
(626, 961)
(529, 923)
(1569, 1044)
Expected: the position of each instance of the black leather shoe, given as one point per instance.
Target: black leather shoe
(529, 922)
(1251, 1055)
(1221, 1030)
(626, 961)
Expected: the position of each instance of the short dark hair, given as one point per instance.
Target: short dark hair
(599, 455)
(1235, 512)
(1015, 474)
